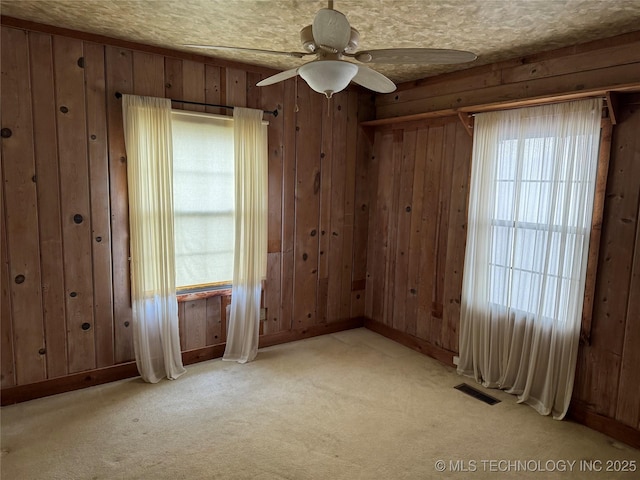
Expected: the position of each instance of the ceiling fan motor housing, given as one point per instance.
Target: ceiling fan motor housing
(309, 45)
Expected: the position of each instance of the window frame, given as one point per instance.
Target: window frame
(602, 173)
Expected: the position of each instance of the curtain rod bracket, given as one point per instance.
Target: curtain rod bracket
(268, 112)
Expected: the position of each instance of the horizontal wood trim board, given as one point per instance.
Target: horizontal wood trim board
(581, 413)
(525, 69)
(414, 343)
(405, 121)
(90, 378)
(188, 297)
(595, 82)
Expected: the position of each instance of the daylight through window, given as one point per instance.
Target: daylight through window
(203, 173)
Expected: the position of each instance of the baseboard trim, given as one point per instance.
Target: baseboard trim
(415, 343)
(68, 383)
(90, 378)
(311, 331)
(581, 413)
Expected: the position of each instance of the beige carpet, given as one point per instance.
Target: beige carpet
(352, 405)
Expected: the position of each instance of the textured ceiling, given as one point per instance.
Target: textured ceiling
(493, 29)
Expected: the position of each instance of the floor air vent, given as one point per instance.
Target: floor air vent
(483, 397)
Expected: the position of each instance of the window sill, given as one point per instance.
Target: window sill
(187, 297)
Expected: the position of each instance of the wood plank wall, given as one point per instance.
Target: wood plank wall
(593, 67)
(65, 269)
(608, 373)
(417, 229)
(607, 386)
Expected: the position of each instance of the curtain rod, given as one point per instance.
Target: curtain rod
(268, 112)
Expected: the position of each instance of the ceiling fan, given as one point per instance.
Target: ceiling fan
(332, 39)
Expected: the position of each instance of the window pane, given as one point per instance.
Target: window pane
(203, 199)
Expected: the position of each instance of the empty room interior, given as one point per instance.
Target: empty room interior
(308, 239)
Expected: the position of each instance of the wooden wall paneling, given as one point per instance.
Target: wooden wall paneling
(416, 233)
(193, 85)
(610, 52)
(100, 212)
(364, 182)
(271, 293)
(119, 77)
(307, 194)
(349, 203)
(214, 88)
(598, 371)
(271, 98)
(173, 80)
(254, 93)
(618, 232)
(379, 223)
(148, 74)
(628, 406)
(225, 301)
(368, 212)
(75, 202)
(336, 229)
(403, 233)
(182, 329)
(480, 77)
(597, 379)
(585, 82)
(357, 303)
(214, 321)
(430, 230)
(7, 363)
(577, 62)
(392, 232)
(444, 201)
(364, 164)
(236, 86)
(288, 203)
(21, 215)
(324, 223)
(457, 238)
(48, 190)
(195, 323)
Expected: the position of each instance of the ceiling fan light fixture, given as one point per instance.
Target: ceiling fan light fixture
(328, 76)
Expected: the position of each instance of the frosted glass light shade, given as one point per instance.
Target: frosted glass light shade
(328, 76)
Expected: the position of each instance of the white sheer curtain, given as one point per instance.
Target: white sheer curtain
(250, 252)
(530, 206)
(147, 128)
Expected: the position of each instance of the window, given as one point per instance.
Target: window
(530, 214)
(203, 183)
(539, 225)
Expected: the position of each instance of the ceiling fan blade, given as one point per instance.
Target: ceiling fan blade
(331, 29)
(250, 50)
(373, 80)
(415, 55)
(278, 77)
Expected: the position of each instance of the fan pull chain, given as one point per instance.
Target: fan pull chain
(296, 109)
